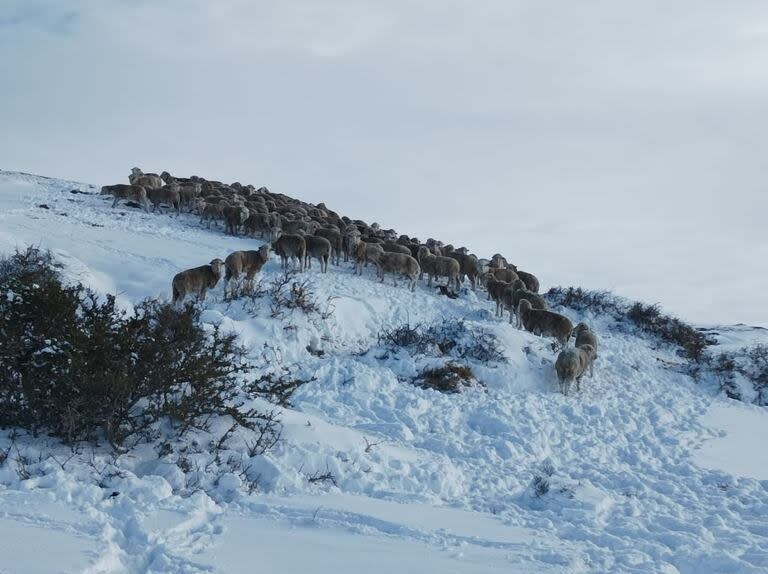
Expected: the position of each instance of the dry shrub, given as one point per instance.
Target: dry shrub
(74, 365)
(648, 318)
(450, 378)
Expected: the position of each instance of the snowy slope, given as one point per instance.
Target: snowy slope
(648, 471)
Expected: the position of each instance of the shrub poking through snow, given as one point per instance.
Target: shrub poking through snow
(743, 374)
(450, 378)
(74, 365)
(540, 485)
(648, 318)
(277, 388)
(448, 337)
(286, 293)
(651, 320)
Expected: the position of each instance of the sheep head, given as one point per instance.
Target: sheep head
(217, 266)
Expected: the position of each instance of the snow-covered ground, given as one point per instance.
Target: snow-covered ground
(648, 471)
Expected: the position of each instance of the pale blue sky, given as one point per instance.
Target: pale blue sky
(504, 125)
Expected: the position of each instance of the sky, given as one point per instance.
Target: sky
(612, 145)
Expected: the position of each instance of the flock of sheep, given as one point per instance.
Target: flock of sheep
(299, 232)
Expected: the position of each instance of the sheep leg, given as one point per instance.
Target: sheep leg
(114, 203)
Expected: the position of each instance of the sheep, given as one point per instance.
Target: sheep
(396, 263)
(504, 274)
(318, 247)
(244, 262)
(434, 246)
(350, 240)
(439, 266)
(290, 246)
(393, 247)
(297, 226)
(262, 222)
(211, 212)
(167, 194)
(364, 252)
(498, 261)
(197, 280)
(541, 322)
(275, 233)
(188, 192)
(333, 235)
(572, 364)
(469, 265)
(585, 336)
(234, 217)
(516, 293)
(197, 205)
(128, 192)
(530, 280)
(496, 290)
(146, 180)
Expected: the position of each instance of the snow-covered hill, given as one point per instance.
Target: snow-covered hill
(645, 470)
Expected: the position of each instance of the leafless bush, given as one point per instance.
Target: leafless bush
(277, 388)
(286, 293)
(749, 362)
(450, 378)
(540, 485)
(318, 476)
(448, 337)
(648, 318)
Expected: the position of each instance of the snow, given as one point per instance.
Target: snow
(641, 477)
(740, 448)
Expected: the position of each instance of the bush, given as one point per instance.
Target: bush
(79, 368)
(449, 378)
(749, 362)
(648, 318)
(448, 337)
(277, 388)
(289, 293)
(540, 486)
(578, 299)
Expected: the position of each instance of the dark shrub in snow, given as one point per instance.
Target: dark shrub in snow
(76, 366)
(750, 365)
(448, 337)
(450, 378)
(648, 318)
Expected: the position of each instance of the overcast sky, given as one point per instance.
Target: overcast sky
(616, 145)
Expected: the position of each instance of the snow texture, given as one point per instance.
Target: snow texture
(644, 470)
